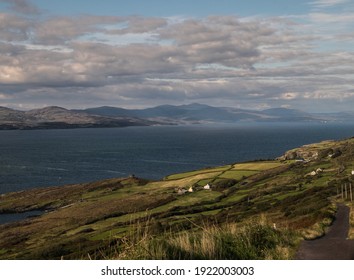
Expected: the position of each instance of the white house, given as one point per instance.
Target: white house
(319, 170)
(207, 187)
(190, 189)
(352, 172)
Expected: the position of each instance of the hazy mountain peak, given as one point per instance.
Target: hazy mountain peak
(282, 110)
(50, 109)
(195, 106)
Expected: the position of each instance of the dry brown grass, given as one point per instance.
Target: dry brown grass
(256, 240)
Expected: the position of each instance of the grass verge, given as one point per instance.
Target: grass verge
(252, 241)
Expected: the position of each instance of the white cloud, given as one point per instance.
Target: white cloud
(3, 96)
(330, 18)
(11, 74)
(13, 28)
(224, 60)
(327, 3)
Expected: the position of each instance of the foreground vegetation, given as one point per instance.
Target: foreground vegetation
(256, 240)
(254, 210)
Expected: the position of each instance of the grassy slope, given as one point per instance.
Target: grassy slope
(86, 219)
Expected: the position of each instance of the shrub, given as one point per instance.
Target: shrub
(224, 184)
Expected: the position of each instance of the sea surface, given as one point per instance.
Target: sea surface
(38, 158)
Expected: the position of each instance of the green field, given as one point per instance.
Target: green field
(238, 174)
(257, 166)
(192, 173)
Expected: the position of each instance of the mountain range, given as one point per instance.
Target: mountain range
(57, 117)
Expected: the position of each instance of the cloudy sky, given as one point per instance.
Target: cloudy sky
(253, 54)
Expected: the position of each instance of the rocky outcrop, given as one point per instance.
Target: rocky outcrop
(313, 152)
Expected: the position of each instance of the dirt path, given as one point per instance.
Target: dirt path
(334, 245)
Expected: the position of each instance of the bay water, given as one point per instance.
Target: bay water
(38, 158)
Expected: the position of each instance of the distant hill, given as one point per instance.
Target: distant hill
(207, 114)
(108, 111)
(57, 117)
(290, 114)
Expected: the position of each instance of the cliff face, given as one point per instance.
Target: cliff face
(300, 154)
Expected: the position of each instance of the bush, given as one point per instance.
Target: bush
(224, 184)
(52, 252)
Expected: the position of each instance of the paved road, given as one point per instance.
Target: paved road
(334, 245)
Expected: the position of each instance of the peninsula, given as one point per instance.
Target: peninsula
(249, 210)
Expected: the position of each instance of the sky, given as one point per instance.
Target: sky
(253, 54)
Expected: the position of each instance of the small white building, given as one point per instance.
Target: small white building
(190, 189)
(352, 172)
(207, 187)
